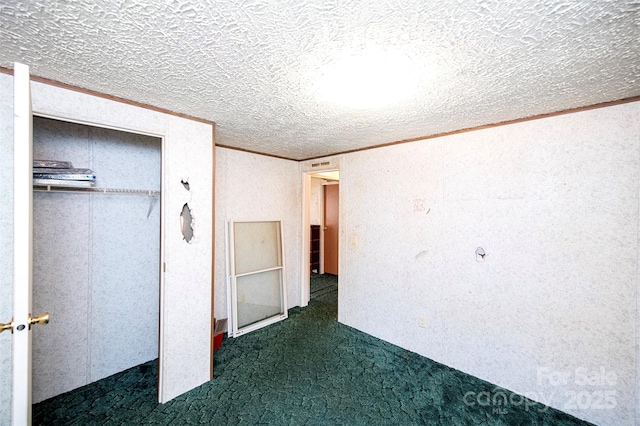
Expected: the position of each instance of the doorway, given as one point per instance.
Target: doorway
(96, 264)
(321, 233)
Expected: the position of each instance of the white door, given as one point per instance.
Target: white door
(22, 248)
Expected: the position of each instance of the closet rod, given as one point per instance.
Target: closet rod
(94, 190)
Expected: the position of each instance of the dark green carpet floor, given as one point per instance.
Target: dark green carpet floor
(306, 370)
(321, 285)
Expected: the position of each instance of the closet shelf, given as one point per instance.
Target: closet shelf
(94, 190)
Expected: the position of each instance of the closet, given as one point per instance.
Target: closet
(122, 283)
(96, 256)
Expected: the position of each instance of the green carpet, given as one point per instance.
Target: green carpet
(320, 285)
(306, 370)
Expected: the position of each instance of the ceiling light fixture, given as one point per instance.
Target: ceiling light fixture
(372, 80)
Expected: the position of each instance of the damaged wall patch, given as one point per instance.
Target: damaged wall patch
(186, 223)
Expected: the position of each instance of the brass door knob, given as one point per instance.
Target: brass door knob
(40, 319)
(7, 326)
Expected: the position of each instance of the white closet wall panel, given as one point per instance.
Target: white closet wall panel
(132, 161)
(126, 256)
(60, 287)
(125, 284)
(61, 268)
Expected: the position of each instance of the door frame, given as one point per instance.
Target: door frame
(307, 169)
(161, 207)
(161, 260)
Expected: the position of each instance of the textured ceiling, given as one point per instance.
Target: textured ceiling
(253, 66)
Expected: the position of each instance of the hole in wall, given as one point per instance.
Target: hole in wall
(186, 223)
(185, 183)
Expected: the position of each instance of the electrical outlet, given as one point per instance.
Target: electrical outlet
(242, 298)
(422, 321)
(354, 240)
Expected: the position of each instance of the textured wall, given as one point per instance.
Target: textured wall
(316, 206)
(96, 259)
(256, 187)
(253, 67)
(554, 203)
(6, 239)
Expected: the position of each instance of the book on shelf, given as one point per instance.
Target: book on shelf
(52, 164)
(64, 182)
(63, 174)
